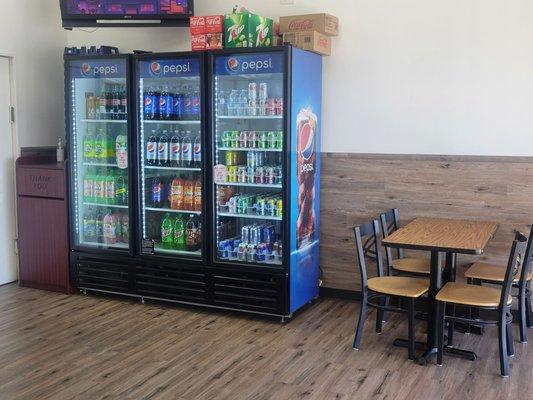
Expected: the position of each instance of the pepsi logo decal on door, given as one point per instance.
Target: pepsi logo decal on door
(260, 63)
(169, 68)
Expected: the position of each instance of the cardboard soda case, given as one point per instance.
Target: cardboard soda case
(207, 32)
(248, 30)
(326, 24)
(311, 41)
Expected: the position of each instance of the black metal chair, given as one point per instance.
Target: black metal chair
(414, 266)
(481, 272)
(487, 298)
(382, 286)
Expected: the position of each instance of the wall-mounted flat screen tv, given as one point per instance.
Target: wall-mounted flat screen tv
(83, 13)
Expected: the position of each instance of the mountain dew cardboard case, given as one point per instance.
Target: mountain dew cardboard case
(248, 30)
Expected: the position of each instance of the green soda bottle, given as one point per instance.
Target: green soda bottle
(88, 146)
(167, 234)
(88, 187)
(100, 147)
(110, 188)
(179, 233)
(99, 187)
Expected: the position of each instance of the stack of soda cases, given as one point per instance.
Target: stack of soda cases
(105, 226)
(176, 193)
(258, 243)
(178, 149)
(110, 104)
(181, 234)
(171, 103)
(257, 169)
(253, 101)
(252, 139)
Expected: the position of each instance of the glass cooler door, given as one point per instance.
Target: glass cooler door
(171, 156)
(99, 146)
(248, 151)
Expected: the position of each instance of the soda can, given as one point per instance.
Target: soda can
(253, 107)
(259, 175)
(261, 252)
(255, 235)
(230, 158)
(270, 175)
(279, 106)
(245, 235)
(279, 175)
(241, 253)
(250, 253)
(268, 234)
(223, 249)
(263, 91)
(271, 207)
(242, 205)
(232, 204)
(252, 139)
(243, 139)
(252, 91)
(251, 160)
(271, 139)
(250, 175)
(260, 158)
(261, 107)
(234, 139)
(279, 208)
(226, 139)
(262, 139)
(279, 140)
(241, 174)
(261, 206)
(270, 108)
(232, 174)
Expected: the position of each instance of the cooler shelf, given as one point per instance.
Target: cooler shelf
(250, 117)
(160, 249)
(252, 216)
(247, 149)
(95, 164)
(100, 121)
(171, 122)
(172, 168)
(170, 210)
(104, 245)
(258, 185)
(104, 205)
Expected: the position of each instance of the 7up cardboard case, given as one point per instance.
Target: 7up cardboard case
(248, 30)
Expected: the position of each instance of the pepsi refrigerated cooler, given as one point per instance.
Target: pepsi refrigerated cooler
(101, 184)
(265, 189)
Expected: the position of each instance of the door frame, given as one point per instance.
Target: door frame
(15, 148)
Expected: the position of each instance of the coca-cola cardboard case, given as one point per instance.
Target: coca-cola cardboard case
(311, 41)
(324, 23)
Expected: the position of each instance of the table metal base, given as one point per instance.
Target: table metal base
(423, 359)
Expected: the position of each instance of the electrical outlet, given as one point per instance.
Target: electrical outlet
(286, 2)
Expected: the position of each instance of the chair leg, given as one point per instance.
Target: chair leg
(529, 312)
(522, 313)
(411, 327)
(385, 316)
(441, 319)
(451, 325)
(509, 339)
(467, 330)
(361, 322)
(504, 359)
(380, 313)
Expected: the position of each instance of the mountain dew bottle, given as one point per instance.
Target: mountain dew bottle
(179, 233)
(167, 232)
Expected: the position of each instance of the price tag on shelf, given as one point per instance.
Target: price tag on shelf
(220, 173)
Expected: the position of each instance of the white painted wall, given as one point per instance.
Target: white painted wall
(406, 76)
(31, 31)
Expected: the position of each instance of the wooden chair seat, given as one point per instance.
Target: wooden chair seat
(413, 265)
(471, 295)
(491, 272)
(399, 286)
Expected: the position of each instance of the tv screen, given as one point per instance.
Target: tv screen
(95, 12)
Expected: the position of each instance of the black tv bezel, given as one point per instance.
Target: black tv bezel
(91, 20)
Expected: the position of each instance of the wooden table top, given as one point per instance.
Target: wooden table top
(446, 235)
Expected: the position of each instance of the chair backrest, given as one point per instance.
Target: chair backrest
(516, 260)
(528, 260)
(390, 222)
(370, 248)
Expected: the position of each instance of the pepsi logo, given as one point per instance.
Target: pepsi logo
(150, 147)
(175, 148)
(197, 148)
(86, 69)
(185, 148)
(233, 64)
(162, 147)
(162, 101)
(155, 68)
(307, 142)
(147, 101)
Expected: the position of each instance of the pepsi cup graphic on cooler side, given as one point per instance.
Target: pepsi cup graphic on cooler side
(306, 125)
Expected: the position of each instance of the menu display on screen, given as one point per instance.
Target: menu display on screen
(127, 7)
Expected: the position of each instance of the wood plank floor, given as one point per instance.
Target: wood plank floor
(54, 346)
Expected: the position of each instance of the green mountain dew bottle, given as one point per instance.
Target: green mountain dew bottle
(167, 234)
(88, 146)
(109, 188)
(179, 233)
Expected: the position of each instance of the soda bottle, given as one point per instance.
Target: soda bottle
(163, 150)
(149, 104)
(99, 187)
(195, 105)
(110, 228)
(243, 102)
(157, 103)
(157, 192)
(122, 151)
(222, 103)
(123, 102)
(88, 147)
(191, 234)
(89, 226)
(121, 191)
(88, 187)
(179, 233)
(186, 151)
(166, 104)
(151, 150)
(177, 194)
(197, 195)
(118, 228)
(233, 102)
(100, 145)
(115, 101)
(271, 139)
(188, 197)
(102, 104)
(110, 188)
(167, 234)
(110, 149)
(180, 106)
(187, 103)
(125, 228)
(109, 102)
(175, 150)
(99, 226)
(197, 153)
